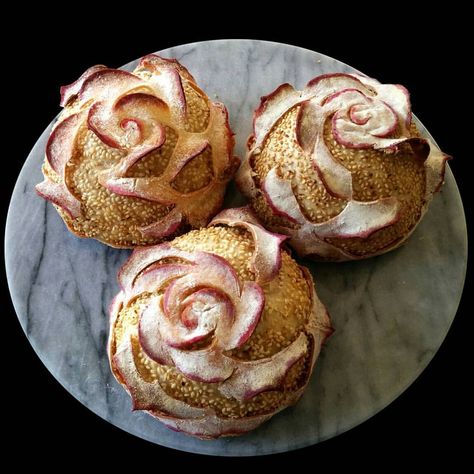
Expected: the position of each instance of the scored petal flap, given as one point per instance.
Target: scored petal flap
(252, 378)
(266, 259)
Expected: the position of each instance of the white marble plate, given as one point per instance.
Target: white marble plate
(391, 313)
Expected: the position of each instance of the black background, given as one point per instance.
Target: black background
(421, 51)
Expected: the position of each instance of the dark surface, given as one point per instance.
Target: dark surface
(427, 421)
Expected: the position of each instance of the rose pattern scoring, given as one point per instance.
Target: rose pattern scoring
(196, 310)
(364, 114)
(130, 112)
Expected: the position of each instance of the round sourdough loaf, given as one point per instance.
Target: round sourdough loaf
(137, 158)
(216, 331)
(340, 167)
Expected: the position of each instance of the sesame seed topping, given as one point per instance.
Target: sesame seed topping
(287, 309)
(116, 219)
(375, 174)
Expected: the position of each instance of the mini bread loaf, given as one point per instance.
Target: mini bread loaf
(136, 158)
(340, 167)
(216, 331)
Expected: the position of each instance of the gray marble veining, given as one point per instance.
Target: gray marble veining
(391, 313)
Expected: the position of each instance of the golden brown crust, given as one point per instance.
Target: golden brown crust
(375, 175)
(340, 167)
(287, 314)
(119, 219)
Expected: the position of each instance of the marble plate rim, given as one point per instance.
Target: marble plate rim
(421, 368)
